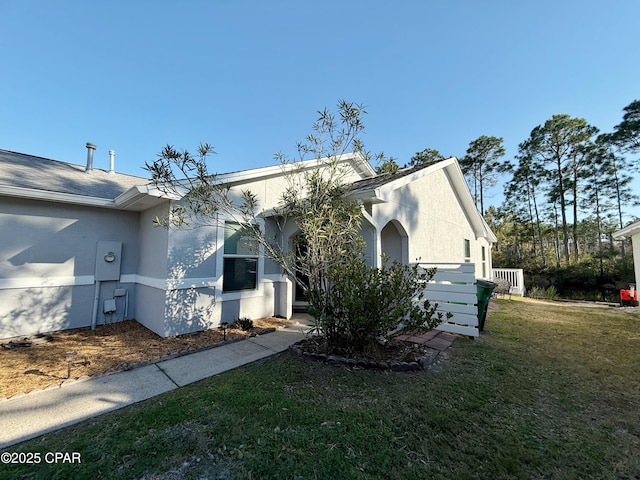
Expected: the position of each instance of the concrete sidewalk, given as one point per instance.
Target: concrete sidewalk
(43, 411)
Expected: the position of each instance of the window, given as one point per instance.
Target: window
(484, 262)
(240, 259)
(467, 250)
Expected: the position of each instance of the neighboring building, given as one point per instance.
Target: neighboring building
(79, 247)
(633, 232)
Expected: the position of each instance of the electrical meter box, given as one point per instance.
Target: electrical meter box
(108, 261)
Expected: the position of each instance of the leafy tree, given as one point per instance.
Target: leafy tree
(598, 194)
(555, 148)
(426, 156)
(525, 184)
(387, 166)
(315, 200)
(615, 169)
(481, 164)
(627, 133)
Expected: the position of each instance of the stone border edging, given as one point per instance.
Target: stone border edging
(395, 366)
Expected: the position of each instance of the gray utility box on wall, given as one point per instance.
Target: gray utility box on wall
(108, 260)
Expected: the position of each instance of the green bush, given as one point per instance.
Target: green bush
(364, 306)
(551, 293)
(244, 324)
(536, 292)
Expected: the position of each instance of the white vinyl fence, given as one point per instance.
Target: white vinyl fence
(454, 289)
(515, 277)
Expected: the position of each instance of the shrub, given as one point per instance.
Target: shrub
(363, 306)
(551, 293)
(536, 292)
(244, 324)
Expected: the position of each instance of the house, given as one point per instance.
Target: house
(79, 248)
(633, 232)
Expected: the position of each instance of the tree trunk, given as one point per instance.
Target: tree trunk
(575, 217)
(619, 205)
(563, 211)
(557, 237)
(539, 229)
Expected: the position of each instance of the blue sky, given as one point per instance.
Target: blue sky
(249, 76)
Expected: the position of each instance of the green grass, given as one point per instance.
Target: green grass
(549, 391)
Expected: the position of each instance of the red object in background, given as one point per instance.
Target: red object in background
(625, 297)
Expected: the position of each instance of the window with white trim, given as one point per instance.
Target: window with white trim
(467, 250)
(240, 259)
(484, 262)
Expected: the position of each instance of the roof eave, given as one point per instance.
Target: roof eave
(627, 231)
(244, 176)
(58, 197)
(372, 196)
(142, 197)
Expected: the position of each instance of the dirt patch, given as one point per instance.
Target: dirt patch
(29, 363)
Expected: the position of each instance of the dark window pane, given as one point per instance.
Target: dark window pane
(239, 274)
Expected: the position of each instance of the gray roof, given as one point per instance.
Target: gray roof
(379, 180)
(28, 171)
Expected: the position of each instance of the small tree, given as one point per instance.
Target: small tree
(329, 257)
(315, 199)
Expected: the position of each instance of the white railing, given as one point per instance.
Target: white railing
(454, 289)
(514, 276)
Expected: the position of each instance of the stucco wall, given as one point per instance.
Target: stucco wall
(436, 225)
(152, 270)
(192, 280)
(48, 261)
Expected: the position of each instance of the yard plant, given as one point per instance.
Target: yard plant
(547, 391)
(364, 306)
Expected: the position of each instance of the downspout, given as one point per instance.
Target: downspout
(96, 304)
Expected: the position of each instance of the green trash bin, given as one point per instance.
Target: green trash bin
(485, 289)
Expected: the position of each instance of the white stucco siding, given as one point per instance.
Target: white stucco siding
(435, 222)
(269, 190)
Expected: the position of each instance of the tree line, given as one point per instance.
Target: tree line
(566, 191)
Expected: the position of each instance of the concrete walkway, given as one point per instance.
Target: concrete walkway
(37, 413)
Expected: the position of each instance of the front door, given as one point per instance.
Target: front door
(300, 246)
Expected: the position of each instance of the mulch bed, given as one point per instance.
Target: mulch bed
(35, 362)
(396, 355)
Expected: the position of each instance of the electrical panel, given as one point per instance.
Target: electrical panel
(108, 261)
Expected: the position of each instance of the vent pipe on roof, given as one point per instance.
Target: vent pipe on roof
(90, 148)
(111, 161)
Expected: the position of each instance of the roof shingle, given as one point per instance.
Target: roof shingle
(28, 171)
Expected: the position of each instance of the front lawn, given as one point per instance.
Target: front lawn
(549, 391)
